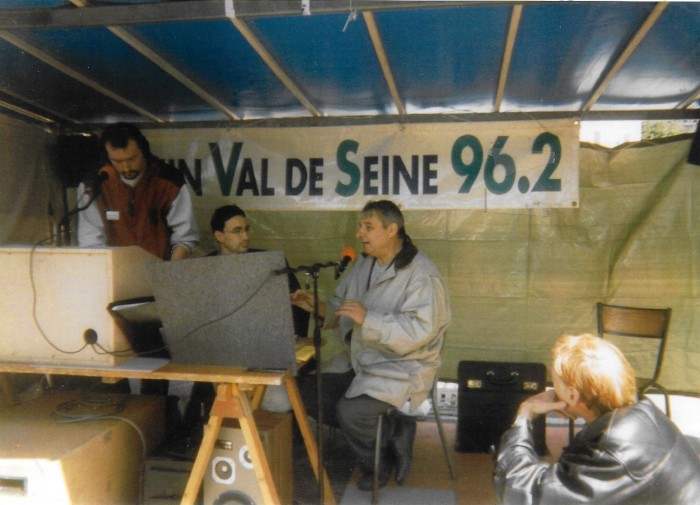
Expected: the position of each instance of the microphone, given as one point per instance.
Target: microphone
(346, 257)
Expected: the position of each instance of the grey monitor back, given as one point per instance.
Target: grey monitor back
(228, 310)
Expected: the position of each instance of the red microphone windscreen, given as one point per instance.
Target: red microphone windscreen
(350, 252)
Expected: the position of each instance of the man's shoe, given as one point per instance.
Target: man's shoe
(367, 480)
(401, 444)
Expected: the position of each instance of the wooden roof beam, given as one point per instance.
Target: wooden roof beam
(138, 45)
(694, 97)
(626, 53)
(272, 63)
(61, 67)
(383, 60)
(515, 16)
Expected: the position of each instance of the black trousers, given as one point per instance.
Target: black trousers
(333, 387)
(357, 417)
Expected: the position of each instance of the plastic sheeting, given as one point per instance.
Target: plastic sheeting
(520, 278)
(25, 182)
(271, 61)
(517, 278)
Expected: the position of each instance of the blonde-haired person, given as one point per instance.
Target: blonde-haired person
(628, 453)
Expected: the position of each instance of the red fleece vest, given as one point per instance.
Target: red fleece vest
(137, 215)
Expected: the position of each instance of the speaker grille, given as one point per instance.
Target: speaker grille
(231, 479)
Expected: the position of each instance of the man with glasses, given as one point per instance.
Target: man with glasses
(231, 230)
(230, 227)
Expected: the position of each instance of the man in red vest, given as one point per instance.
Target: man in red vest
(141, 200)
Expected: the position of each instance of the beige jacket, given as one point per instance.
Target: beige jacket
(396, 351)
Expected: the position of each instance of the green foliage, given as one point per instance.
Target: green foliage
(661, 129)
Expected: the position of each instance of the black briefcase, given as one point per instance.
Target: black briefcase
(488, 398)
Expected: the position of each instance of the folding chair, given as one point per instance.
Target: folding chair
(378, 441)
(647, 326)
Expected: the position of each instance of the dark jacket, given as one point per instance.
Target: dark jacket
(631, 456)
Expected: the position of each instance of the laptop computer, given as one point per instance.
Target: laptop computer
(140, 322)
(231, 310)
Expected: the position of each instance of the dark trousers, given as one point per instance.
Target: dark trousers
(197, 410)
(333, 387)
(357, 417)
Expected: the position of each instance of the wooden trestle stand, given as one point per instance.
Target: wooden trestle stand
(239, 393)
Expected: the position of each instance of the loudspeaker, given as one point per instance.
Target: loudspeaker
(230, 477)
(488, 398)
(694, 153)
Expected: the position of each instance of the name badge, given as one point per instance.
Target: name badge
(112, 215)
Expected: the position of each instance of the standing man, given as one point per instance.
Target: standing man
(141, 200)
(629, 453)
(393, 310)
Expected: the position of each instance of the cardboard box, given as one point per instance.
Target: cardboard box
(53, 298)
(44, 459)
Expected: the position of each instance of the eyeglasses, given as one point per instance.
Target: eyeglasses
(239, 231)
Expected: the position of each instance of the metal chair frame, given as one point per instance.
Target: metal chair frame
(378, 443)
(639, 323)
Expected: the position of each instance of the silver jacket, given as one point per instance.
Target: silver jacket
(631, 456)
(395, 353)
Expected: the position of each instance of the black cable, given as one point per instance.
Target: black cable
(189, 334)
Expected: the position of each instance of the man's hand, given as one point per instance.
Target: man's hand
(353, 309)
(305, 300)
(541, 403)
(179, 252)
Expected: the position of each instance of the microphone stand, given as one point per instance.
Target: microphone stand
(64, 231)
(313, 272)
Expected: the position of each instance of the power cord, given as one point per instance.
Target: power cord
(93, 408)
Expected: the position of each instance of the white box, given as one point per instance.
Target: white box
(51, 296)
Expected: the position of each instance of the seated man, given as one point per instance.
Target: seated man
(629, 452)
(229, 225)
(393, 310)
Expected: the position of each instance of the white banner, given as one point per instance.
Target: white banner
(516, 164)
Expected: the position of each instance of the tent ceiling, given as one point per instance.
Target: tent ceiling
(71, 63)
